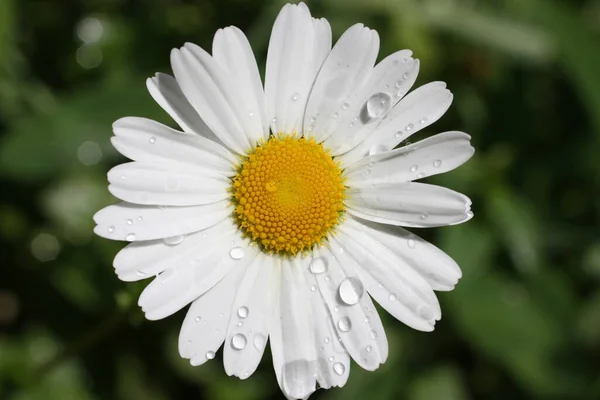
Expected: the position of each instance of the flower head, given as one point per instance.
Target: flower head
(278, 213)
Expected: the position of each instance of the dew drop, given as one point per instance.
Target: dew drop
(398, 83)
(369, 348)
(327, 339)
(423, 121)
(210, 355)
(351, 290)
(345, 106)
(398, 134)
(414, 168)
(374, 334)
(425, 312)
(377, 149)
(274, 120)
(295, 96)
(111, 229)
(335, 115)
(238, 341)
(173, 240)
(197, 319)
(409, 127)
(237, 253)
(242, 312)
(367, 320)
(250, 114)
(405, 76)
(313, 288)
(339, 368)
(420, 175)
(140, 218)
(239, 324)
(130, 237)
(424, 215)
(318, 265)
(259, 341)
(437, 163)
(327, 278)
(411, 243)
(378, 104)
(312, 120)
(336, 309)
(129, 222)
(152, 140)
(392, 297)
(331, 359)
(140, 273)
(351, 124)
(344, 324)
(400, 93)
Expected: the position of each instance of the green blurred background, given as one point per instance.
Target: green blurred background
(523, 323)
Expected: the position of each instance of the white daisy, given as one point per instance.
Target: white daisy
(277, 213)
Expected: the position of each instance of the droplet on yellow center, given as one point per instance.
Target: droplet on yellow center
(289, 194)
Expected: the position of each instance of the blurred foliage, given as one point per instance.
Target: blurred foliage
(523, 323)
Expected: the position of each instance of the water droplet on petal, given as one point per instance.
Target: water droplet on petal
(345, 106)
(339, 368)
(152, 140)
(242, 312)
(424, 215)
(411, 243)
(409, 127)
(367, 320)
(295, 96)
(335, 115)
(331, 359)
(238, 341)
(423, 121)
(111, 229)
(378, 104)
(374, 334)
(414, 168)
(437, 163)
(318, 265)
(140, 218)
(140, 273)
(425, 312)
(377, 149)
(174, 240)
(327, 339)
(312, 120)
(197, 319)
(130, 237)
(237, 253)
(420, 175)
(398, 134)
(351, 290)
(259, 341)
(344, 324)
(239, 324)
(369, 348)
(313, 288)
(129, 222)
(274, 120)
(210, 355)
(392, 297)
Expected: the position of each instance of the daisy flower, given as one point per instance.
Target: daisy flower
(278, 212)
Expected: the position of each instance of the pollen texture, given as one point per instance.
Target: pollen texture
(288, 194)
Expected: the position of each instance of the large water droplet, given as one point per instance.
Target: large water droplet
(174, 240)
(130, 237)
(237, 253)
(378, 104)
(242, 312)
(344, 324)
(318, 265)
(351, 290)
(238, 341)
(259, 341)
(377, 149)
(210, 355)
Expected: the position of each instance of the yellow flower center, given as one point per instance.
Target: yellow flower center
(288, 194)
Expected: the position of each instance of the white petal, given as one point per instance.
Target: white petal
(292, 334)
(145, 140)
(167, 184)
(333, 366)
(435, 266)
(233, 53)
(354, 318)
(248, 326)
(195, 274)
(131, 222)
(401, 291)
(208, 89)
(141, 260)
(165, 90)
(408, 204)
(419, 109)
(297, 49)
(345, 70)
(370, 104)
(435, 155)
(205, 324)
